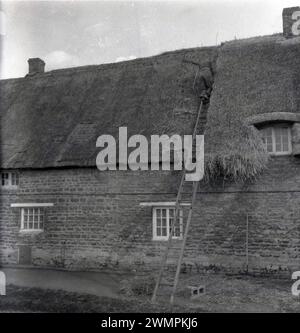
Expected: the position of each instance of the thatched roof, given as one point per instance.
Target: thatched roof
(254, 76)
(53, 119)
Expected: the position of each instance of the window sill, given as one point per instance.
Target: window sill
(280, 154)
(166, 239)
(31, 232)
(9, 187)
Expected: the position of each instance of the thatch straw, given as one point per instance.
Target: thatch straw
(54, 119)
(258, 75)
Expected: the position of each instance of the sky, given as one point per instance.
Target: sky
(77, 33)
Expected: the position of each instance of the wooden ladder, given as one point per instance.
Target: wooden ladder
(187, 226)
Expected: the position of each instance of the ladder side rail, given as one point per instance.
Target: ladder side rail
(195, 189)
(177, 205)
(165, 256)
(177, 209)
(197, 120)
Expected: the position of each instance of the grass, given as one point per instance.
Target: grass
(245, 294)
(223, 294)
(21, 299)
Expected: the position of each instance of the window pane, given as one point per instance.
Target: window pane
(177, 232)
(164, 222)
(33, 218)
(171, 213)
(5, 179)
(14, 179)
(279, 141)
(164, 231)
(9, 178)
(285, 145)
(282, 139)
(267, 139)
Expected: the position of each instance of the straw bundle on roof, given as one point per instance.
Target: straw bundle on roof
(254, 76)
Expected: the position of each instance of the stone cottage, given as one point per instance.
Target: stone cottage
(58, 210)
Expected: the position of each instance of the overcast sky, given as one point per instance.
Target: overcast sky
(75, 33)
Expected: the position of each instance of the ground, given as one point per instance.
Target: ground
(102, 292)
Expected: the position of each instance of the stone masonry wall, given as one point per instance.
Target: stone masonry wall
(96, 222)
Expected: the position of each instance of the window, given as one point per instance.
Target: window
(32, 219)
(277, 139)
(162, 221)
(9, 179)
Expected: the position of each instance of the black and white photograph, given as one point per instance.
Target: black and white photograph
(149, 159)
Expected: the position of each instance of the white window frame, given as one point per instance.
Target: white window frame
(10, 177)
(280, 153)
(41, 211)
(155, 237)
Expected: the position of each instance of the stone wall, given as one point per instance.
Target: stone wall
(97, 222)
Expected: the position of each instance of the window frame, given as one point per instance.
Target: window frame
(155, 237)
(41, 213)
(10, 179)
(273, 127)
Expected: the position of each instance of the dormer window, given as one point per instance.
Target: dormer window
(277, 139)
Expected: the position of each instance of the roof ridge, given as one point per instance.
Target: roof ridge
(109, 65)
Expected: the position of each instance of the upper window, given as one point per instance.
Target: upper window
(277, 139)
(162, 221)
(32, 219)
(9, 179)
